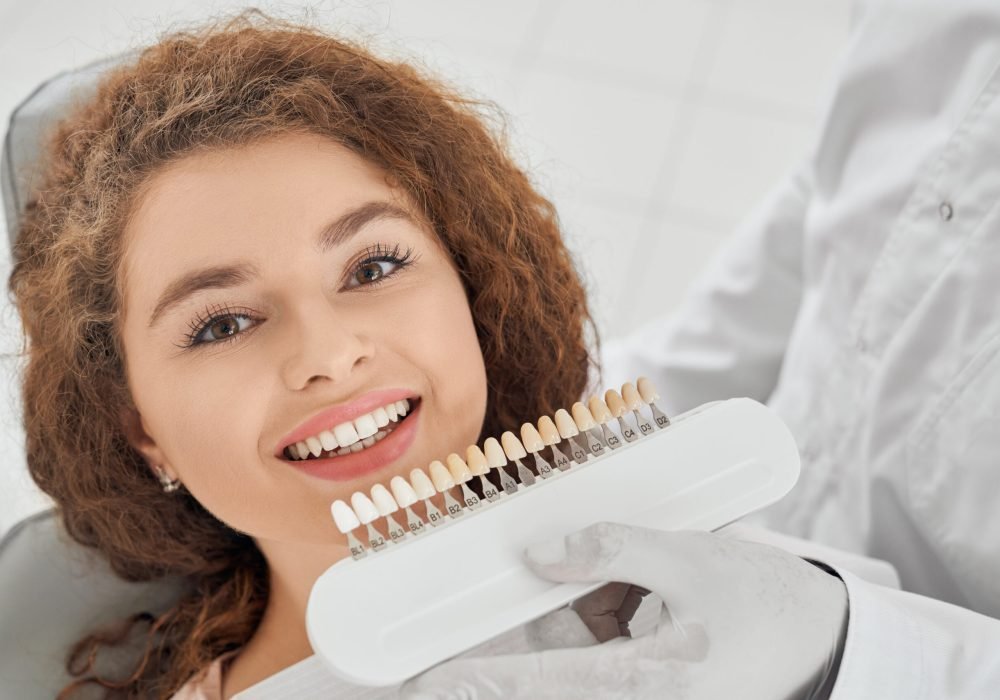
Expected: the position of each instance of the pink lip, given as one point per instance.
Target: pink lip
(371, 459)
(327, 419)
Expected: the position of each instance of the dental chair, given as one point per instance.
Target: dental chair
(52, 590)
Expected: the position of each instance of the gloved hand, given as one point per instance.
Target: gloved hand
(741, 620)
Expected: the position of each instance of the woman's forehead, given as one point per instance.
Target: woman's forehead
(212, 205)
(257, 179)
(280, 186)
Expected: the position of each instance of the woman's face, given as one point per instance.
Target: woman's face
(267, 285)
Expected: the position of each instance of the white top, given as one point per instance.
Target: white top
(861, 300)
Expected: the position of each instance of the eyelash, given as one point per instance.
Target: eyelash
(372, 254)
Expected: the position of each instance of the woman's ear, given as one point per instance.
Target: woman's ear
(139, 437)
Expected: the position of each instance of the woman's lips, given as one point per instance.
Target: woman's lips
(357, 464)
(327, 419)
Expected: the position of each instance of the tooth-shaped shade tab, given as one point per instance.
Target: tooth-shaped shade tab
(582, 417)
(564, 423)
(530, 438)
(363, 506)
(476, 460)
(646, 390)
(631, 396)
(403, 492)
(547, 429)
(615, 403)
(384, 501)
(440, 476)
(343, 517)
(460, 471)
(421, 484)
(598, 409)
(495, 456)
(512, 446)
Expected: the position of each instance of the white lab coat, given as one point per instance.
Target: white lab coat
(861, 301)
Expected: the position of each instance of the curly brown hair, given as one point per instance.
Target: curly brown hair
(228, 83)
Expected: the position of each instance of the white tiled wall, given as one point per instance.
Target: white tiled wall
(654, 126)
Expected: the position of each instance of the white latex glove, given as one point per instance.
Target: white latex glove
(742, 620)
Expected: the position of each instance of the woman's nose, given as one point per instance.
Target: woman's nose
(324, 344)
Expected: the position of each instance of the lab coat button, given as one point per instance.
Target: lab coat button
(946, 211)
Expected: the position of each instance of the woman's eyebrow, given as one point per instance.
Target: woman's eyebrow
(335, 233)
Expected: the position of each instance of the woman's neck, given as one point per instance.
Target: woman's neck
(281, 639)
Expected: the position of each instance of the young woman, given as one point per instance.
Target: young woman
(255, 232)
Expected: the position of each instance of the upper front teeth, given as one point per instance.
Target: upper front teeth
(347, 434)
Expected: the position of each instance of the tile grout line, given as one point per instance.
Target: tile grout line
(681, 129)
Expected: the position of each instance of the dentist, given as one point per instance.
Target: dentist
(861, 301)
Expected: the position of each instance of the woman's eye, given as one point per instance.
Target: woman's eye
(221, 327)
(372, 271)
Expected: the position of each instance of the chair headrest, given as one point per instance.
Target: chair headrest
(29, 125)
(52, 590)
(54, 593)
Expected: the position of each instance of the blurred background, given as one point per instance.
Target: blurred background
(653, 126)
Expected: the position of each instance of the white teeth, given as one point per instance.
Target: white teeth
(346, 434)
(351, 436)
(314, 446)
(365, 425)
(328, 441)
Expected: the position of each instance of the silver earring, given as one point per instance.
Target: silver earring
(169, 485)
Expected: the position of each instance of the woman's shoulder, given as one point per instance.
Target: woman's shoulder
(206, 685)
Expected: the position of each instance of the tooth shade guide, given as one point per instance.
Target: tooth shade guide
(530, 439)
(617, 407)
(682, 478)
(560, 460)
(497, 459)
(347, 521)
(507, 482)
(646, 390)
(630, 396)
(649, 394)
(599, 409)
(582, 416)
(344, 517)
(547, 429)
(610, 438)
(495, 456)
(533, 443)
(512, 447)
(480, 467)
(440, 476)
(565, 425)
(584, 437)
(460, 471)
